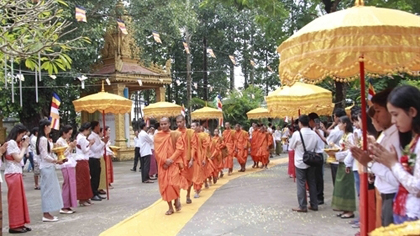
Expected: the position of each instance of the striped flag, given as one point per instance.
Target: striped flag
(183, 110)
(210, 51)
(121, 25)
(252, 62)
(81, 14)
(187, 49)
(156, 36)
(54, 115)
(220, 108)
(232, 58)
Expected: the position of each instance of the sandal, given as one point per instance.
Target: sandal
(169, 212)
(37, 188)
(346, 216)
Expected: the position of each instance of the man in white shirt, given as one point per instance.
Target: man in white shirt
(146, 143)
(251, 129)
(95, 153)
(385, 181)
(334, 137)
(314, 123)
(304, 173)
(136, 151)
(35, 160)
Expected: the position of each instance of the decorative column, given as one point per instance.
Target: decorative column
(120, 139)
(160, 94)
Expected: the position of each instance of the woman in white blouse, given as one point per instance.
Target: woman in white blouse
(84, 189)
(344, 196)
(404, 106)
(68, 170)
(16, 198)
(51, 199)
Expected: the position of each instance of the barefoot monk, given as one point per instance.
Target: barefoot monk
(168, 152)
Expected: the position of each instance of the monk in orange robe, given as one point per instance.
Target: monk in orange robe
(188, 171)
(267, 142)
(241, 146)
(208, 166)
(198, 152)
(256, 136)
(168, 153)
(228, 138)
(216, 146)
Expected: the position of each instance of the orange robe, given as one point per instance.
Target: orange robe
(216, 146)
(209, 166)
(228, 137)
(241, 146)
(199, 146)
(263, 152)
(188, 172)
(167, 147)
(254, 145)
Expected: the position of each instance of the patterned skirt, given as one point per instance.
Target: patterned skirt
(344, 195)
(51, 197)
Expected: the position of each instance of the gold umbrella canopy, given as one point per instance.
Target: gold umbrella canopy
(258, 113)
(161, 109)
(330, 46)
(206, 113)
(287, 101)
(103, 102)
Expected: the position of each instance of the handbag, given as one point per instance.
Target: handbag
(311, 158)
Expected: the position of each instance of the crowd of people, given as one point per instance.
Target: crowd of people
(81, 169)
(391, 159)
(192, 159)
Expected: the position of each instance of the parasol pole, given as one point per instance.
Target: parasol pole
(106, 167)
(363, 179)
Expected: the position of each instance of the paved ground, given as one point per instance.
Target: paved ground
(255, 204)
(260, 204)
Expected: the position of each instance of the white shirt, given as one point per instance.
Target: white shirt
(385, 181)
(270, 130)
(349, 161)
(12, 166)
(251, 129)
(97, 149)
(46, 158)
(136, 141)
(68, 153)
(310, 139)
(411, 183)
(334, 137)
(277, 135)
(32, 144)
(145, 144)
(82, 149)
(320, 144)
(153, 144)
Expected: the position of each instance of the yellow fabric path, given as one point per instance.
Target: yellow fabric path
(153, 221)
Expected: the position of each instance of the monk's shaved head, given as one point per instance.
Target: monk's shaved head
(180, 121)
(164, 119)
(180, 117)
(164, 124)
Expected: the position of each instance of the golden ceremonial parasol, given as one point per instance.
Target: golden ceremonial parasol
(258, 113)
(206, 113)
(105, 103)
(299, 98)
(344, 45)
(161, 109)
